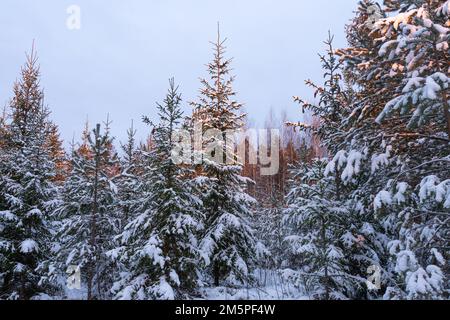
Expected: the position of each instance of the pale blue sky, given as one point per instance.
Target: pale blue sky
(120, 61)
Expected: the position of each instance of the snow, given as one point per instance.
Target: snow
(164, 291)
(436, 277)
(382, 198)
(431, 88)
(153, 251)
(400, 196)
(28, 246)
(406, 260)
(34, 212)
(273, 285)
(386, 46)
(113, 187)
(252, 293)
(394, 247)
(440, 259)
(367, 229)
(424, 282)
(19, 268)
(444, 9)
(174, 277)
(443, 193)
(348, 239)
(261, 251)
(417, 282)
(334, 253)
(241, 266)
(70, 256)
(5, 245)
(8, 215)
(337, 163)
(431, 188)
(379, 160)
(353, 165)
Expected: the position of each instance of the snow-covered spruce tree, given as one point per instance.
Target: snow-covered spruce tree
(415, 42)
(228, 243)
(417, 37)
(4, 129)
(319, 224)
(129, 179)
(159, 247)
(270, 231)
(27, 194)
(334, 104)
(57, 153)
(331, 193)
(400, 65)
(88, 214)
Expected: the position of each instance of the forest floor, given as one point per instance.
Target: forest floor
(271, 287)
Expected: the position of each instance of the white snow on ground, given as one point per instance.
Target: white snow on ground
(272, 287)
(76, 294)
(263, 293)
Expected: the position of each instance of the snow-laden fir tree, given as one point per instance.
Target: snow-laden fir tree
(88, 214)
(228, 243)
(27, 193)
(159, 247)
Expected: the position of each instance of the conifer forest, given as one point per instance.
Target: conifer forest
(349, 200)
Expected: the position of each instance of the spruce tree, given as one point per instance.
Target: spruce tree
(159, 246)
(88, 214)
(400, 68)
(332, 221)
(271, 232)
(228, 244)
(129, 179)
(318, 221)
(27, 193)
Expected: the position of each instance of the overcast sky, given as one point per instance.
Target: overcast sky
(120, 61)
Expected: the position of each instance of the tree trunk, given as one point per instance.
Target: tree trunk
(94, 214)
(216, 273)
(446, 112)
(324, 248)
(89, 281)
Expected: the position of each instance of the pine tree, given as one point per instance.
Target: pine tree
(88, 214)
(159, 247)
(27, 194)
(228, 244)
